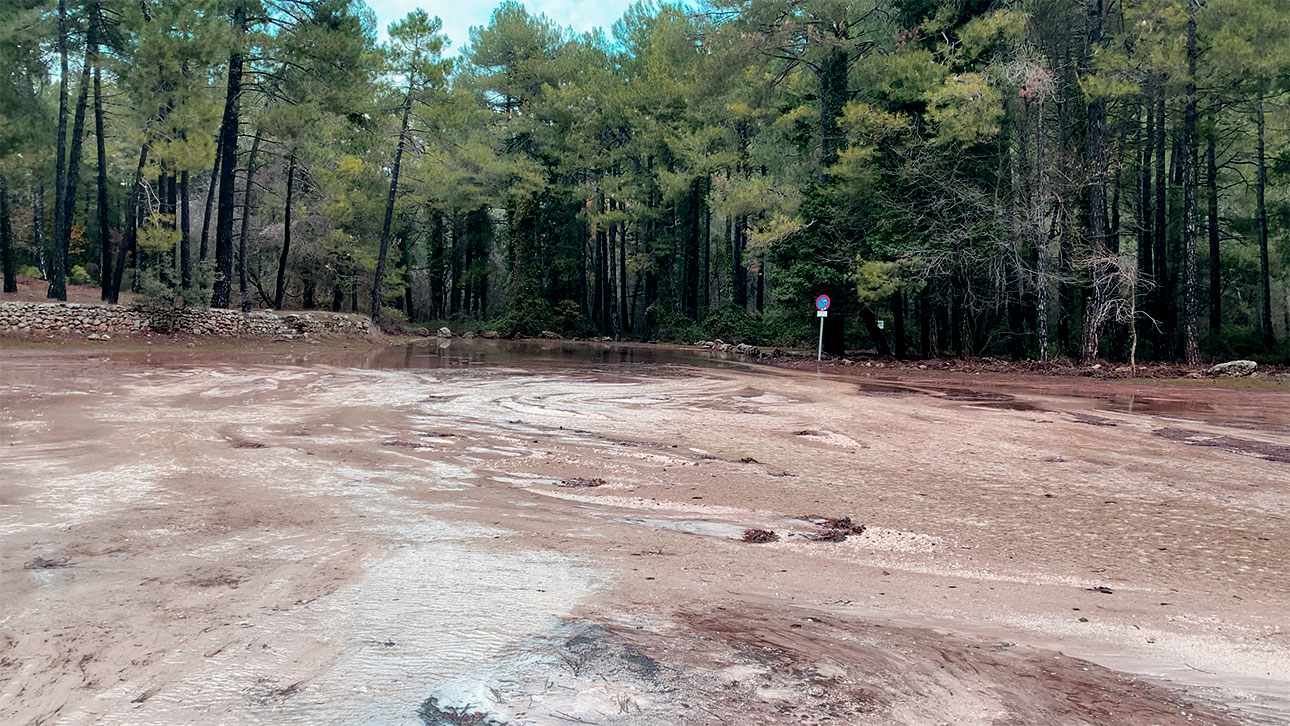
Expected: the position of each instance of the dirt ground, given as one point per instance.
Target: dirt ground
(440, 538)
(32, 289)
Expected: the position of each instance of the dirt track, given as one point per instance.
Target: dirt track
(193, 541)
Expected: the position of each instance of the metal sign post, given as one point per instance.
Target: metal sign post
(822, 304)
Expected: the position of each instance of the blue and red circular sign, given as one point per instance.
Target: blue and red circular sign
(823, 302)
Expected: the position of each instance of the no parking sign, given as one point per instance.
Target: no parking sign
(822, 303)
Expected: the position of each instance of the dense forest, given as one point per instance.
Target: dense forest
(1094, 179)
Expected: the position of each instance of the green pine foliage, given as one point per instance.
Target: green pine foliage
(982, 178)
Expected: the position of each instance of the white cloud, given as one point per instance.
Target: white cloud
(459, 16)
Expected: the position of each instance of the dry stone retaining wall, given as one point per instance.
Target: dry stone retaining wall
(21, 318)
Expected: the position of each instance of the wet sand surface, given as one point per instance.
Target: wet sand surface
(552, 534)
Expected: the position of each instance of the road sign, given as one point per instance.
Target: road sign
(822, 304)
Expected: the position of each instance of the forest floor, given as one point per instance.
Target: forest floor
(32, 289)
(1277, 373)
(491, 533)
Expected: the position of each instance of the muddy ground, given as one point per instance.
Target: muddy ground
(514, 535)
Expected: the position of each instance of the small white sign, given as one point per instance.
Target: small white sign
(821, 313)
(880, 324)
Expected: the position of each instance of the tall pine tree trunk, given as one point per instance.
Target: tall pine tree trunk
(739, 275)
(707, 247)
(1145, 266)
(63, 245)
(1100, 265)
(1038, 205)
(58, 263)
(203, 250)
(1161, 293)
(227, 145)
(611, 294)
(6, 241)
(38, 227)
(247, 194)
(1261, 211)
(1215, 278)
(378, 280)
(130, 232)
(105, 236)
(898, 322)
(690, 299)
(1191, 347)
(598, 312)
(185, 235)
(405, 259)
(624, 311)
(280, 287)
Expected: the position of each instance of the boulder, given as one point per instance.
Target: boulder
(1233, 369)
(550, 335)
(444, 332)
(469, 335)
(491, 334)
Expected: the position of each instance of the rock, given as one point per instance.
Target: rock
(469, 335)
(550, 335)
(491, 334)
(92, 336)
(444, 332)
(81, 319)
(1233, 369)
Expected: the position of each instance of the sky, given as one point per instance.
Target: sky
(459, 15)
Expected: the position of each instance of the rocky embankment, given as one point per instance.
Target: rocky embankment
(101, 322)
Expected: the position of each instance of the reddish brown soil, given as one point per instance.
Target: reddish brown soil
(865, 364)
(187, 540)
(31, 289)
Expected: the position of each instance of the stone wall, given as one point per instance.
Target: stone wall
(46, 319)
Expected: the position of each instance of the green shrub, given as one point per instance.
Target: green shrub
(729, 323)
(29, 271)
(162, 300)
(79, 276)
(393, 320)
(529, 319)
(1239, 342)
